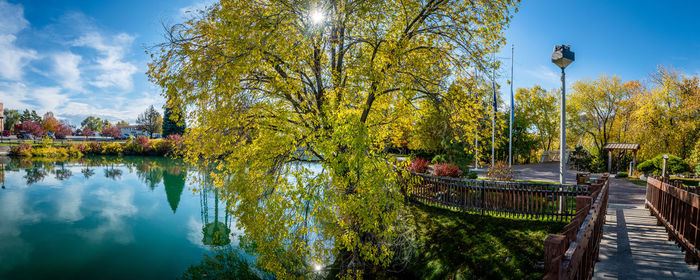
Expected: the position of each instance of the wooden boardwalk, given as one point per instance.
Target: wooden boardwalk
(633, 246)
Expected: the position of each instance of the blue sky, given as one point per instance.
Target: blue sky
(625, 38)
(79, 58)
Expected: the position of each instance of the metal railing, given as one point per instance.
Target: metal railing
(509, 199)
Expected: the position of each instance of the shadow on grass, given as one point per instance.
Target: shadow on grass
(453, 245)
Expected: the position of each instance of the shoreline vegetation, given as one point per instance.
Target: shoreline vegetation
(139, 146)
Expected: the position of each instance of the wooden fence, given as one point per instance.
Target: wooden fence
(573, 253)
(510, 199)
(678, 209)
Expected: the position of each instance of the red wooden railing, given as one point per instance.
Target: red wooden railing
(678, 209)
(573, 253)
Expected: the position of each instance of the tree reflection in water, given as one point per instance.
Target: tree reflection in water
(87, 172)
(215, 231)
(35, 174)
(224, 261)
(174, 179)
(62, 173)
(113, 173)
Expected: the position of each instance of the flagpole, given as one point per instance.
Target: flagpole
(512, 107)
(493, 120)
(476, 131)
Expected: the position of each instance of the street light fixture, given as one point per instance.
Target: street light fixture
(562, 57)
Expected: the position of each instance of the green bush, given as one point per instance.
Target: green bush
(471, 175)
(675, 165)
(622, 174)
(50, 152)
(161, 147)
(582, 158)
(439, 159)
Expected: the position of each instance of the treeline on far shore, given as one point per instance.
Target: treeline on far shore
(132, 146)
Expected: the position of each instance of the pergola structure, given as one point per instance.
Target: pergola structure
(622, 146)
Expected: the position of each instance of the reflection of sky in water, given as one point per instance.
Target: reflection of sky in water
(14, 213)
(127, 227)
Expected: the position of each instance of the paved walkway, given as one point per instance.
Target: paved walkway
(542, 172)
(633, 246)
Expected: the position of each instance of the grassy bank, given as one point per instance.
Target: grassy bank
(453, 245)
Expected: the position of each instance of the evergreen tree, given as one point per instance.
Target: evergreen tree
(173, 123)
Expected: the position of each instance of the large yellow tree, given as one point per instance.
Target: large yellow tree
(268, 85)
(593, 110)
(540, 108)
(667, 116)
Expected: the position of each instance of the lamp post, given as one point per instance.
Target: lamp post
(562, 57)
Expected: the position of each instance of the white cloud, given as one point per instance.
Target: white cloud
(66, 69)
(115, 207)
(545, 76)
(17, 95)
(48, 98)
(113, 70)
(12, 58)
(87, 71)
(200, 5)
(13, 95)
(12, 18)
(69, 203)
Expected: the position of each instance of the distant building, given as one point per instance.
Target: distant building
(48, 115)
(135, 131)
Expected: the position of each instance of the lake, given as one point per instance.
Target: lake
(108, 218)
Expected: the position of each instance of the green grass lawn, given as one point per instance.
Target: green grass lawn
(635, 181)
(453, 245)
(686, 182)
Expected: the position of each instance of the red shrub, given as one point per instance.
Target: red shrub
(62, 131)
(87, 132)
(144, 143)
(447, 170)
(32, 128)
(23, 149)
(94, 147)
(419, 165)
(112, 131)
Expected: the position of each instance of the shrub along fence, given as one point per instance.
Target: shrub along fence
(573, 253)
(678, 209)
(511, 199)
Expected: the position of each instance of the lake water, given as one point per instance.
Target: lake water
(107, 218)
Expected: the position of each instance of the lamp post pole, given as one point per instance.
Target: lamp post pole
(476, 132)
(562, 128)
(562, 57)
